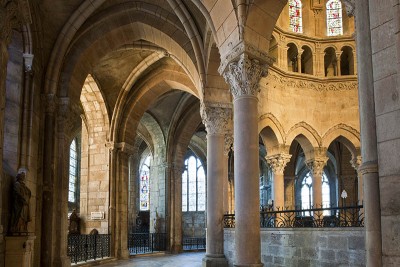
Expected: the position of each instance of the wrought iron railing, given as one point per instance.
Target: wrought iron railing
(194, 243)
(82, 248)
(313, 218)
(142, 243)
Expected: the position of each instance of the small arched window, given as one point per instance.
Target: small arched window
(145, 185)
(74, 171)
(296, 22)
(334, 18)
(193, 186)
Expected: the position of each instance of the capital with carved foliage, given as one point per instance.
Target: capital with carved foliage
(216, 117)
(356, 162)
(316, 165)
(243, 76)
(278, 162)
(228, 142)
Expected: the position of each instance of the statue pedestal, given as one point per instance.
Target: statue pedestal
(19, 250)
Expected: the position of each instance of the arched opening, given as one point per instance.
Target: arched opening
(347, 61)
(273, 48)
(330, 62)
(292, 58)
(307, 60)
(74, 172)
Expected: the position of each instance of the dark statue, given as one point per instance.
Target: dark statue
(20, 214)
(74, 224)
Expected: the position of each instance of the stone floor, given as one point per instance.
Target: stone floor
(189, 259)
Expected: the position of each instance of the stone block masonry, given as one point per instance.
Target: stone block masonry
(306, 247)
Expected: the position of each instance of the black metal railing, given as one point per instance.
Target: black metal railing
(314, 218)
(194, 243)
(82, 248)
(142, 243)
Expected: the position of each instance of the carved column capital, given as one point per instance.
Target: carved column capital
(243, 76)
(216, 117)
(228, 142)
(316, 165)
(356, 162)
(28, 60)
(278, 162)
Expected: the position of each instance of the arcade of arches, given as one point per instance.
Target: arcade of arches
(161, 116)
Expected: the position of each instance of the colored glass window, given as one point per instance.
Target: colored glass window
(334, 18)
(73, 172)
(145, 185)
(296, 23)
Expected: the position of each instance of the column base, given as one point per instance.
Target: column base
(123, 254)
(19, 251)
(63, 261)
(175, 249)
(215, 260)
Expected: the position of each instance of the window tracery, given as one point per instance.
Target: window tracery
(193, 185)
(74, 172)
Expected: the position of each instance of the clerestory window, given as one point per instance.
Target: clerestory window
(296, 22)
(334, 18)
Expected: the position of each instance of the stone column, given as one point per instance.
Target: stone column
(27, 111)
(227, 149)
(121, 216)
(299, 60)
(243, 75)
(278, 163)
(47, 229)
(175, 209)
(216, 118)
(338, 63)
(369, 152)
(316, 166)
(61, 183)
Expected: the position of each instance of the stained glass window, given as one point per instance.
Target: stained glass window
(74, 174)
(193, 185)
(296, 23)
(334, 17)
(145, 185)
(73, 171)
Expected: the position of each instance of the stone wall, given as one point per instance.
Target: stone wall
(194, 224)
(306, 247)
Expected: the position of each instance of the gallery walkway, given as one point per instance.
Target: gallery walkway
(189, 259)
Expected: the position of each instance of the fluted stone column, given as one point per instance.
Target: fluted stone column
(48, 183)
(216, 118)
(243, 75)
(316, 166)
(369, 152)
(227, 148)
(278, 163)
